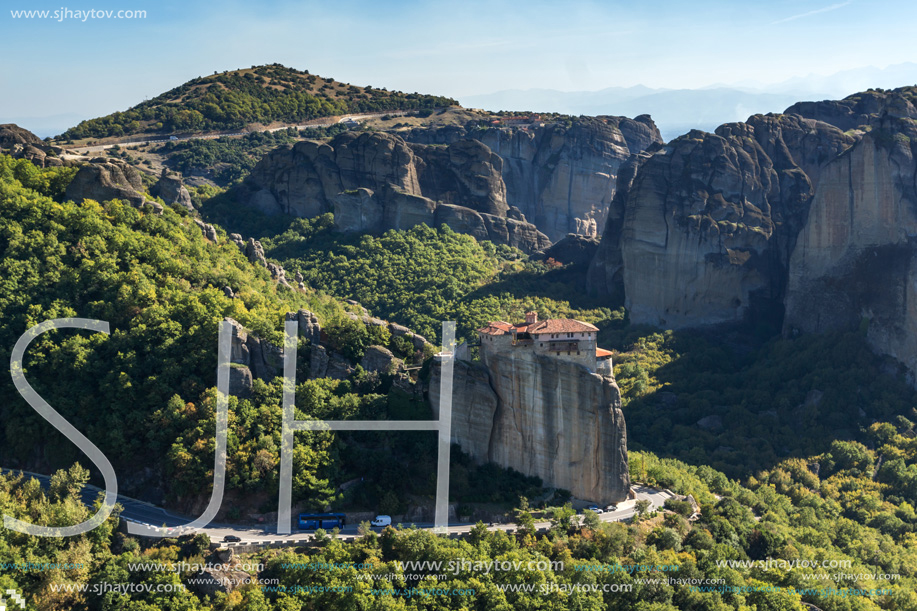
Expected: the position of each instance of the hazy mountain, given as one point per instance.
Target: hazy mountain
(676, 111)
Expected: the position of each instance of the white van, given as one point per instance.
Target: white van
(382, 521)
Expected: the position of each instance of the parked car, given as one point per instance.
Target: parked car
(595, 508)
(382, 521)
(231, 539)
(611, 507)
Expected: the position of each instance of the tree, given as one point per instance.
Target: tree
(642, 506)
(562, 518)
(591, 520)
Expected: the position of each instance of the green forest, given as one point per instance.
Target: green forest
(224, 160)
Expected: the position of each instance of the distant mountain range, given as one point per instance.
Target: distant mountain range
(677, 111)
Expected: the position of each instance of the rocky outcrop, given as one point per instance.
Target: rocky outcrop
(11, 135)
(561, 176)
(251, 358)
(20, 143)
(209, 231)
(702, 229)
(255, 252)
(171, 190)
(106, 179)
(374, 181)
(573, 249)
(380, 359)
(543, 417)
(855, 111)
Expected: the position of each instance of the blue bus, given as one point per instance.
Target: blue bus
(311, 521)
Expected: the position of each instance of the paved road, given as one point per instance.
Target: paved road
(145, 513)
(323, 122)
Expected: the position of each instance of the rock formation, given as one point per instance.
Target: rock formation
(20, 143)
(855, 264)
(375, 181)
(209, 231)
(171, 190)
(574, 249)
(808, 218)
(561, 176)
(11, 135)
(701, 230)
(544, 417)
(379, 359)
(105, 179)
(251, 358)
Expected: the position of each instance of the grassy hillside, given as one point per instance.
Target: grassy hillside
(260, 94)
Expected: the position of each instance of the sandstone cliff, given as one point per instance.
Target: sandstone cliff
(808, 218)
(701, 229)
(375, 181)
(543, 417)
(561, 176)
(854, 264)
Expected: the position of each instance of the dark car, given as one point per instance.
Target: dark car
(231, 539)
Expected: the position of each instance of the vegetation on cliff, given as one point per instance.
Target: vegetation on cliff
(424, 276)
(224, 160)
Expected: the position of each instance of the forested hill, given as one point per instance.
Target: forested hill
(260, 94)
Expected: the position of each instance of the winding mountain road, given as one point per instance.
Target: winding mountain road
(151, 515)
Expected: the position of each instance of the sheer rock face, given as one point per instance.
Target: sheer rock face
(561, 177)
(375, 181)
(105, 180)
(811, 214)
(543, 417)
(465, 173)
(856, 260)
(701, 230)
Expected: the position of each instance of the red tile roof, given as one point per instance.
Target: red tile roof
(496, 328)
(551, 325)
(560, 325)
(600, 352)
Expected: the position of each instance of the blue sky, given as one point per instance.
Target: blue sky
(95, 67)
